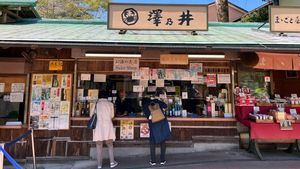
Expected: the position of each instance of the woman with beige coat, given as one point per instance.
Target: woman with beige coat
(104, 131)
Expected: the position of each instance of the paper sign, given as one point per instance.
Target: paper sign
(2, 87)
(79, 94)
(267, 79)
(16, 97)
(99, 78)
(171, 89)
(200, 80)
(144, 73)
(18, 87)
(151, 88)
(160, 83)
(144, 130)
(184, 95)
(136, 75)
(86, 77)
(196, 67)
(144, 83)
(224, 79)
(138, 88)
(55, 65)
(93, 94)
(211, 80)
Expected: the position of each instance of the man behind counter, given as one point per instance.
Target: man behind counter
(123, 104)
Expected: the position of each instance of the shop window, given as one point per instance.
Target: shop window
(12, 99)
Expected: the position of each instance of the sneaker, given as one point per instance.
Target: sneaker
(99, 167)
(152, 163)
(163, 162)
(114, 164)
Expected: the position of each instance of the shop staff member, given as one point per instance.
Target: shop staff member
(123, 104)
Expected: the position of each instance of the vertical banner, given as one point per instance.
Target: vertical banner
(127, 130)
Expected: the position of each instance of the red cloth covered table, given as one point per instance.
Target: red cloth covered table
(271, 131)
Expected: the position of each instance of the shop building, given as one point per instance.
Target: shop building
(64, 65)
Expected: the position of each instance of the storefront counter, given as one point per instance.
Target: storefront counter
(183, 129)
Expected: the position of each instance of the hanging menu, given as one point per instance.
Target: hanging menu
(50, 101)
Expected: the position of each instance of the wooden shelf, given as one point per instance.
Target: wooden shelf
(11, 127)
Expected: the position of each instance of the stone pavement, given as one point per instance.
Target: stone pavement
(237, 159)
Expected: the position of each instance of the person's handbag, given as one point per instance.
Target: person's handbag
(156, 113)
(93, 120)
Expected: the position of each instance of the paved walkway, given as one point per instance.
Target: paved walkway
(209, 160)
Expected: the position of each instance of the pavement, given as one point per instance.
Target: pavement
(236, 159)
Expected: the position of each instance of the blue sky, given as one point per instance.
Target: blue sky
(245, 4)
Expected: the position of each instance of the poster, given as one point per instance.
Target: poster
(211, 80)
(99, 78)
(144, 130)
(200, 80)
(224, 79)
(36, 94)
(151, 88)
(47, 81)
(144, 83)
(185, 75)
(138, 88)
(126, 64)
(170, 75)
(18, 87)
(136, 75)
(50, 101)
(37, 79)
(93, 94)
(196, 67)
(85, 77)
(170, 89)
(64, 107)
(127, 130)
(153, 74)
(55, 94)
(144, 73)
(56, 80)
(184, 95)
(80, 94)
(160, 83)
(161, 74)
(17, 97)
(2, 87)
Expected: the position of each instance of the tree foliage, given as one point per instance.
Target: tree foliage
(260, 15)
(70, 9)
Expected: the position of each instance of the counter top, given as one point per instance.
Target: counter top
(169, 118)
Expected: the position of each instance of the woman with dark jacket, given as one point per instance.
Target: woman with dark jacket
(159, 131)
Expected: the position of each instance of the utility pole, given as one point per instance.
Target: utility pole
(222, 10)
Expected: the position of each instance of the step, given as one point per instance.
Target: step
(145, 143)
(215, 139)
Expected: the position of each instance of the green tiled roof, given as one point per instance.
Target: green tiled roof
(96, 33)
(17, 2)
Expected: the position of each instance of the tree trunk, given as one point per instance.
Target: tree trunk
(222, 10)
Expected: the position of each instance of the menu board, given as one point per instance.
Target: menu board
(127, 130)
(50, 101)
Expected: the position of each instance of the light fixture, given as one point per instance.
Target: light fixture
(113, 55)
(206, 56)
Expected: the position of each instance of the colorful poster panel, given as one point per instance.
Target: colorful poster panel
(127, 130)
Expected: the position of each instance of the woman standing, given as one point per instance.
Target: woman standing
(159, 131)
(104, 131)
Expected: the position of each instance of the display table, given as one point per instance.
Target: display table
(271, 133)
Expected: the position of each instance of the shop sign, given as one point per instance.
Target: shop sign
(126, 64)
(174, 59)
(55, 65)
(157, 17)
(285, 19)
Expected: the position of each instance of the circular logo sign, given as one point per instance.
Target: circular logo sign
(130, 16)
